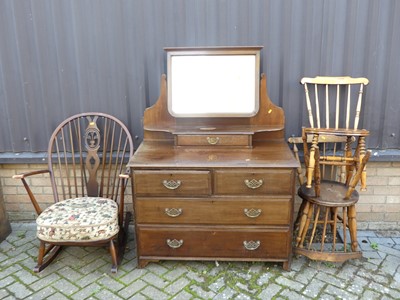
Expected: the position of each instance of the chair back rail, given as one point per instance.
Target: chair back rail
(339, 88)
(87, 153)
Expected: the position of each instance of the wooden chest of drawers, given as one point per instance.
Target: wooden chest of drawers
(213, 188)
(213, 204)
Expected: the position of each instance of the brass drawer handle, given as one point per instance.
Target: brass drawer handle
(252, 212)
(254, 183)
(173, 212)
(251, 245)
(172, 184)
(212, 140)
(174, 244)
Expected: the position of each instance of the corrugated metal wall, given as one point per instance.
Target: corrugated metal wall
(62, 57)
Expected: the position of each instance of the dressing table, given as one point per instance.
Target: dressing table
(213, 181)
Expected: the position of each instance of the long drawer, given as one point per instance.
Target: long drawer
(214, 140)
(172, 183)
(233, 210)
(253, 182)
(213, 242)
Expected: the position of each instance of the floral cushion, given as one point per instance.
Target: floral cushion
(80, 219)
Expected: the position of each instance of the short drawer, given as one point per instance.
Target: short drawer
(213, 242)
(213, 140)
(253, 182)
(172, 183)
(232, 211)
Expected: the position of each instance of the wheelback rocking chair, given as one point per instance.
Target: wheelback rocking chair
(86, 157)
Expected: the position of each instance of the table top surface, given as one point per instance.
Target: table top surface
(164, 154)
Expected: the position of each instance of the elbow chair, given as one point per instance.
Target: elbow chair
(86, 157)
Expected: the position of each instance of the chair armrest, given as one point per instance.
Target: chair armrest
(27, 188)
(27, 174)
(124, 176)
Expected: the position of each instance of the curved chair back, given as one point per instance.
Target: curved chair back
(334, 102)
(86, 154)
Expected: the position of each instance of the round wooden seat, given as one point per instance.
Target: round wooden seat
(332, 194)
(322, 217)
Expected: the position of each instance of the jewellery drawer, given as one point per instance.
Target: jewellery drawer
(253, 182)
(213, 242)
(235, 210)
(213, 140)
(172, 183)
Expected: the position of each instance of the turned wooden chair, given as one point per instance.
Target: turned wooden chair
(329, 205)
(86, 157)
(334, 107)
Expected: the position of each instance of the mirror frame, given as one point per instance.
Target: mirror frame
(191, 73)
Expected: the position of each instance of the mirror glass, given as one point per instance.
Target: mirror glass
(213, 82)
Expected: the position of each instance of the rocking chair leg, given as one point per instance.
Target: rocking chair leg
(117, 253)
(123, 237)
(51, 252)
(113, 252)
(42, 252)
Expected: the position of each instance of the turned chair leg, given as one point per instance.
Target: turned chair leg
(302, 221)
(353, 227)
(311, 163)
(299, 215)
(362, 154)
(305, 223)
(325, 224)
(315, 223)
